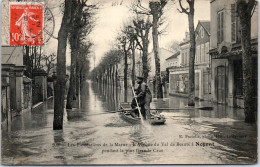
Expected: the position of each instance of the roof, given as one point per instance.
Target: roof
(161, 50)
(173, 56)
(12, 55)
(183, 43)
(205, 24)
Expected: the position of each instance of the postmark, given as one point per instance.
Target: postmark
(49, 25)
(26, 24)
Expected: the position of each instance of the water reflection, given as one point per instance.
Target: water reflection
(32, 140)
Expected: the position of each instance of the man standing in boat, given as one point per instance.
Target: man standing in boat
(143, 96)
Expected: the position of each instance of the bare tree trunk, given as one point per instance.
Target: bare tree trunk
(190, 14)
(109, 75)
(113, 75)
(133, 65)
(59, 90)
(116, 77)
(145, 61)
(125, 71)
(156, 54)
(191, 58)
(78, 80)
(74, 54)
(249, 90)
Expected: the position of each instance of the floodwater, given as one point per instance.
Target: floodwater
(91, 135)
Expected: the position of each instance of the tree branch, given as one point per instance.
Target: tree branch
(138, 43)
(182, 8)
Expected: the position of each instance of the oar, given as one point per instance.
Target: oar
(137, 103)
(190, 108)
(187, 108)
(199, 108)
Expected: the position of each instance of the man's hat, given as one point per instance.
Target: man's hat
(140, 77)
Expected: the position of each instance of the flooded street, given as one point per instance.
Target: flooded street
(92, 135)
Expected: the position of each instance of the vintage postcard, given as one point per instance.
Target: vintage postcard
(129, 82)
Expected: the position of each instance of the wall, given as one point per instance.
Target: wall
(184, 51)
(218, 5)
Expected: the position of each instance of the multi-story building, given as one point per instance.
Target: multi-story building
(173, 61)
(163, 54)
(226, 52)
(179, 75)
(202, 61)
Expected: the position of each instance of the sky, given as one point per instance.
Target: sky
(110, 18)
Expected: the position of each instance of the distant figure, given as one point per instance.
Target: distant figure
(144, 98)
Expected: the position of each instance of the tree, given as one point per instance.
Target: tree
(59, 88)
(83, 60)
(49, 62)
(125, 45)
(133, 47)
(142, 28)
(174, 46)
(109, 62)
(190, 12)
(81, 22)
(156, 10)
(245, 9)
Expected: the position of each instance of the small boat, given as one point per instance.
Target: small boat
(156, 117)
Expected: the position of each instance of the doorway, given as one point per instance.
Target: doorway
(221, 84)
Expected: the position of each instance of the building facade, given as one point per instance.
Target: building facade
(178, 77)
(173, 61)
(163, 54)
(202, 61)
(179, 74)
(226, 52)
(13, 82)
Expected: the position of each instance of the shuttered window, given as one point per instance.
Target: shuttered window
(220, 26)
(233, 23)
(202, 53)
(182, 58)
(198, 60)
(207, 52)
(188, 57)
(197, 51)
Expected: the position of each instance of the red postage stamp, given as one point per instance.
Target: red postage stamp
(26, 24)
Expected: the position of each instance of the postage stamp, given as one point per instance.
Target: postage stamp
(26, 24)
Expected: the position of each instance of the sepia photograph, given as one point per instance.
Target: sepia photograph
(129, 82)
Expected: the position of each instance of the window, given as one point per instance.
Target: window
(186, 61)
(198, 60)
(202, 53)
(220, 26)
(197, 54)
(201, 32)
(233, 23)
(182, 58)
(188, 57)
(207, 52)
